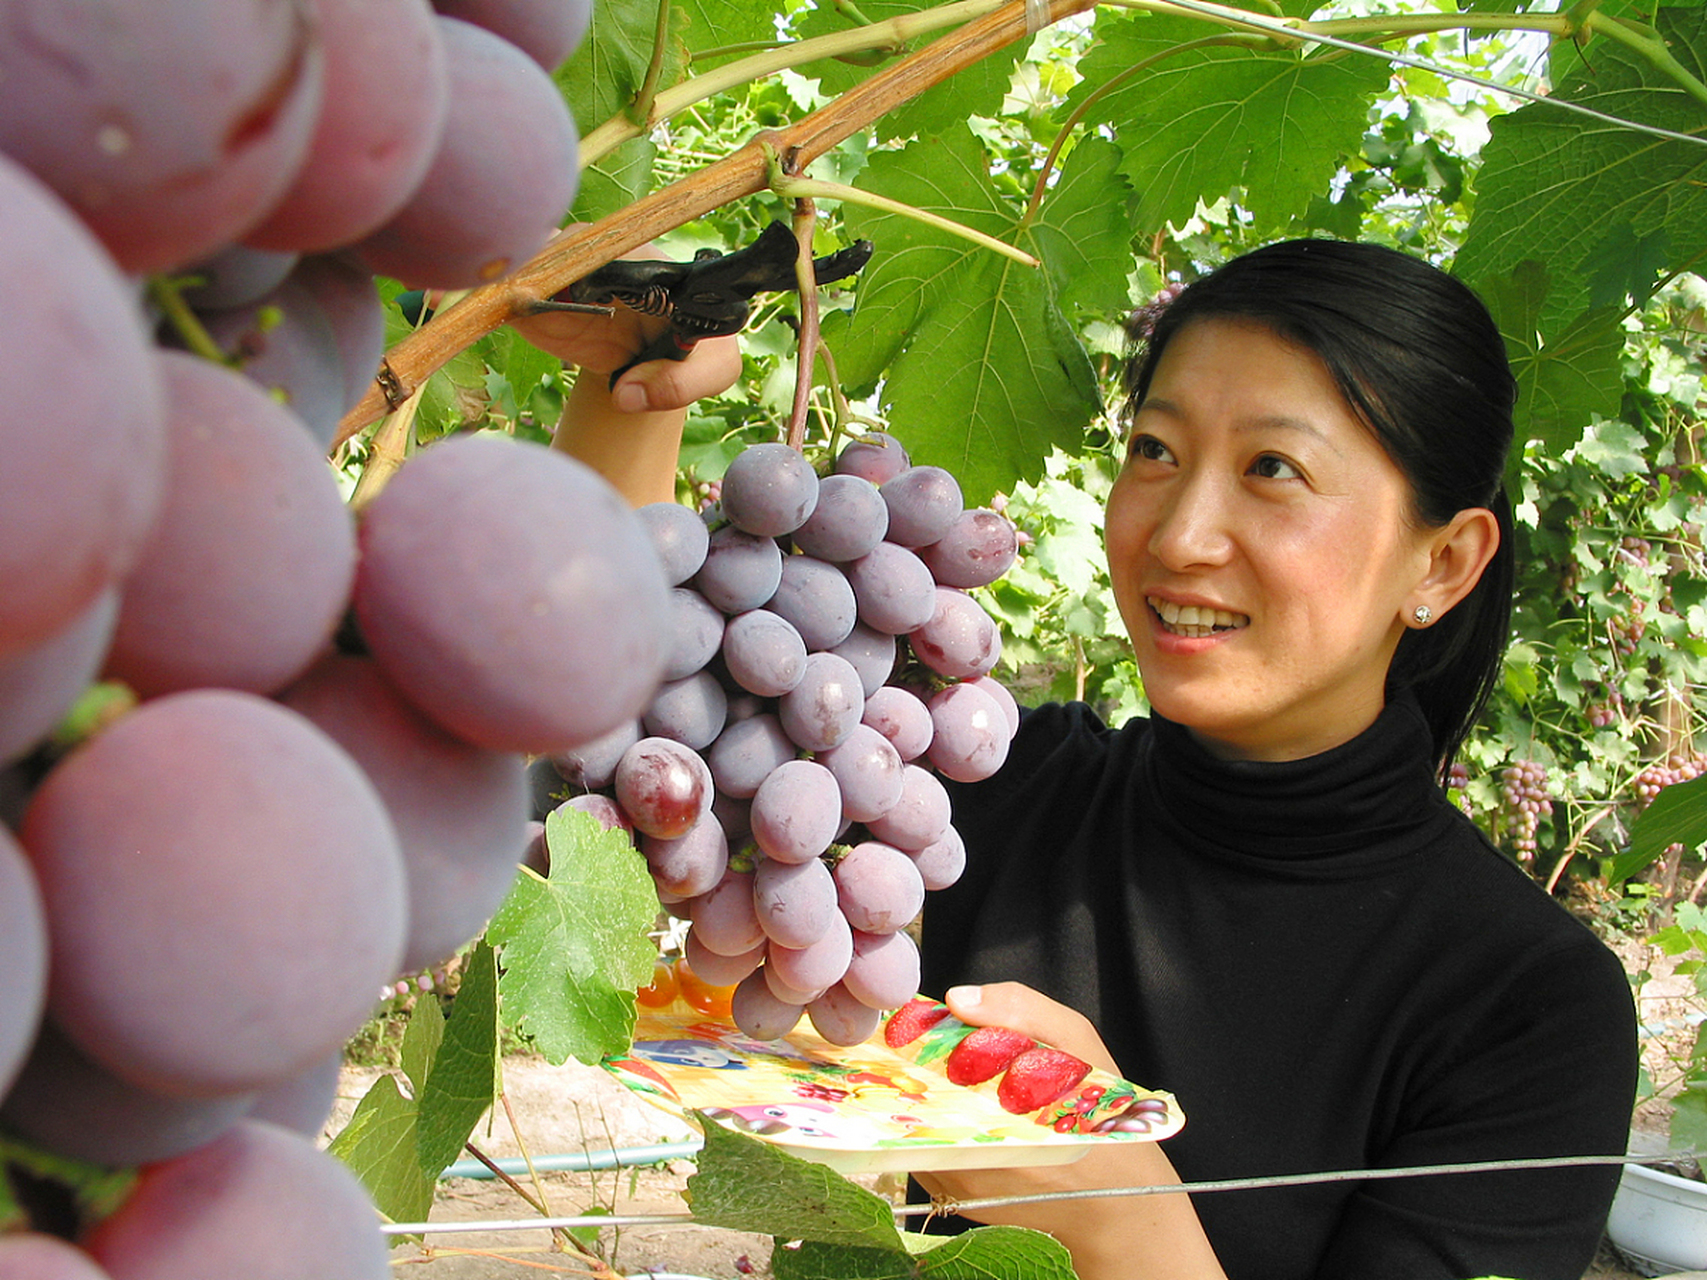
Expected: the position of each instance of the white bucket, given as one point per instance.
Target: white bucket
(1659, 1220)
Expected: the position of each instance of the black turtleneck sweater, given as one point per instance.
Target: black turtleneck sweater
(1331, 968)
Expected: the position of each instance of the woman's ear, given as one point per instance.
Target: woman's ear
(1458, 553)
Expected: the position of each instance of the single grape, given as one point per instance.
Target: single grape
(740, 572)
(36, 1256)
(941, 862)
(876, 458)
(1004, 699)
(664, 787)
(197, 1217)
(377, 131)
(825, 707)
(960, 641)
(691, 711)
(763, 653)
(722, 970)
(592, 765)
(546, 30)
(979, 547)
(884, 970)
(511, 594)
(39, 684)
(796, 811)
(248, 569)
(348, 298)
(848, 522)
(696, 629)
(782, 991)
(303, 1103)
(235, 276)
(879, 888)
(690, 864)
(816, 599)
(678, 535)
(795, 901)
(506, 129)
(817, 965)
(969, 733)
(769, 489)
(840, 1018)
(459, 809)
(604, 810)
(23, 957)
(894, 590)
(867, 769)
(872, 654)
(724, 919)
(215, 842)
(746, 753)
(760, 1014)
(171, 129)
(902, 717)
(924, 502)
(921, 816)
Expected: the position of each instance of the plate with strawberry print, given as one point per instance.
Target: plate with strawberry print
(926, 1092)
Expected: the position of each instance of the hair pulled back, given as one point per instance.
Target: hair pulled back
(1422, 364)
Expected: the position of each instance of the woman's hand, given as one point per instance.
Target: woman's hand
(1152, 1237)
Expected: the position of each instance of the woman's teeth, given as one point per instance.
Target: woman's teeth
(1194, 622)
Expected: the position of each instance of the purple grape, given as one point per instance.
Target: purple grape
(724, 918)
(39, 684)
(690, 864)
(592, 765)
(678, 535)
(977, 549)
(740, 572)
(796, 901)
(872, 654)
(348, 297)
(735, 813)
(796, 811)
(902, 717)
(876, 458)
(236, 276)
(602, 809)
(763, 653)
(941, 862)
(1004, 699)
(303, 1103)
(884, 970)
(760, 1014)
(818, 965)
(23, 957)
(879, 888)
(960, 642)
(769, 489)
(894, 590)
(782, 991)
(848, 522)
(691, 711)
(44, 1257)
(663, 787)
(824, 708)
(840, 1018)
(720, 970)
(546, 30)
(924, 502)
(919, 818)
(815, 598)
(746, 753)
(969, 738)
(867, 769)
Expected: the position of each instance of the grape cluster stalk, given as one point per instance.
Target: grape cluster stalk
(312, 781)
(830, 669)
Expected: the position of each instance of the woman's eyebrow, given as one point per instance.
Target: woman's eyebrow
(1265, 422)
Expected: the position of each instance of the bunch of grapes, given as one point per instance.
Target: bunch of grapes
(784, 784)
(1458, 785)
(1608, 711)
(314, 780)
(1655, 778)
(1524, 801)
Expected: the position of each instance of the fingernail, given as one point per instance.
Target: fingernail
(630, 397)
(965, 997)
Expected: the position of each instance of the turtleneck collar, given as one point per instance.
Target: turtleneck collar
(1372, 798)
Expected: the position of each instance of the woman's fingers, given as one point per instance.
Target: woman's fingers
(1017, 1006)
(709, 369)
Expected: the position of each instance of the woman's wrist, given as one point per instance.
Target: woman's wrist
(635, 450)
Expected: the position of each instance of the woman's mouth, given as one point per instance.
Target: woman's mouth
(1194, 621)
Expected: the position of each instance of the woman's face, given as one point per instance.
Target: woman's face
(1259, 546)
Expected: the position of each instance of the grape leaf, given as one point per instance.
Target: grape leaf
(1543, 167)
(983, 1253)
(746, 1184)
(1678, 815)
(378, 1144)
(615, 180)
(574, 947)
(422, 1035)
(983, 373)
(603, 77)
(1084, 233)
(712, 24)
(1201, 123)
(463, 1081)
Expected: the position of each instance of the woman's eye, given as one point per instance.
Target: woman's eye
(1270, 467)
(1148, 448)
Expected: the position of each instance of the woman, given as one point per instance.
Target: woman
(1260, 897)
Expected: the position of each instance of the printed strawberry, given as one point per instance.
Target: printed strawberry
(984, 1053)
(1038, 1077)
(912, 1020)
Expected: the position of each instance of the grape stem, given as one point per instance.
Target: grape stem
(806, 280)
(744, 172)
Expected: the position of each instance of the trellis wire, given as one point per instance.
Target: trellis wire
(1097, 1193)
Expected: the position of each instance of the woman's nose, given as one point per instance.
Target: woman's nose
(1192, 525)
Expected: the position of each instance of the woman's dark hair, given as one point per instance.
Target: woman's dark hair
(1420, 361)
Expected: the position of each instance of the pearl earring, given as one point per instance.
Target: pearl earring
(1423, 615)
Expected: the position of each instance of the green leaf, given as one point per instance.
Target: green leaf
(575, 946)
(462, 1084)
(1678, 815)
(616, 180)
(1084, 233)
(1202, 123)
(747, 1184)
(1689, 1117)
(422, 1036)
(379, 1146)
(711, 24)
(810, 1260)
(984, 376)
(602, 78)
(983, 1253)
